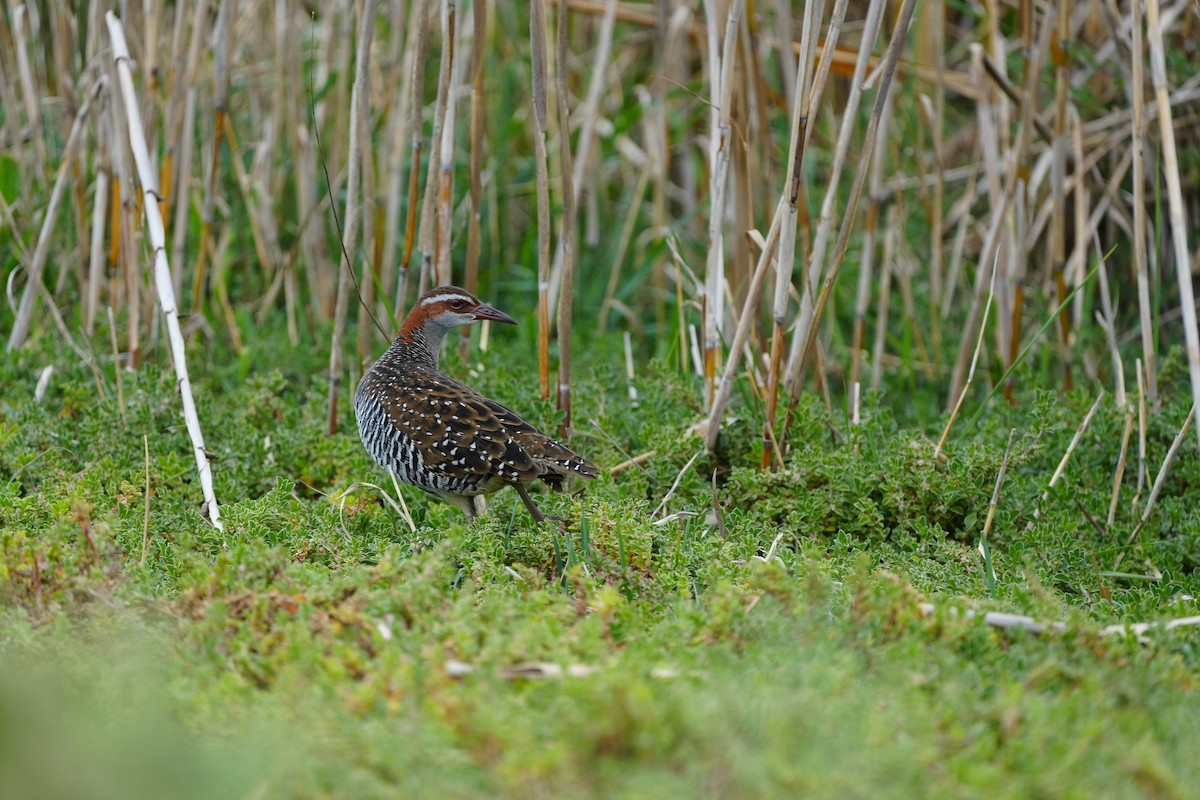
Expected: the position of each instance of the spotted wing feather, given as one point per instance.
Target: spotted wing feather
(458, 432)
(558, 459)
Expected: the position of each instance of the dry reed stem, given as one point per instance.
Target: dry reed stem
(991, 246)
(41, 252)
(368, 284)
(1119, 473)
(358, 96)
(397, 146)
(966, 387)
(427, 239)
(178, 164)
(445, 174)
(1075, 440)
(933, 118)
(1058, 206)
(537, 36)
(29, 92)
(995, 501)
(1178, 220)
(721, 87)
(221, 54)
(636, 461)
(1141, 384)
(568, 225)
(793, 191)
(1137, 148)
(614, 273)
(866, 267)
(814, 271)
(99, 215)
(843, 60)
(589, 116)
(146, 494)
(479, 29)
(1107, 316)
(162, 271)
(807, 326)
(787, 59)
(421, 31)
(818, 80)
(116, 359)
(886, 268)
(712, 428)
(1159, 480)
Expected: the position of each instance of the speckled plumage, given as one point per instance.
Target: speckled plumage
(435, 433)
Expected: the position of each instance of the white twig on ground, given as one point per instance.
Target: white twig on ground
(1001, 619)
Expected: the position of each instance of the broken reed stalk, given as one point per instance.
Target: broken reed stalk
(479, 29)
(1141, 476)
(1159, 480)
(1137, 147)
(985, 547)
(162, 270)
(712, 427)
(721, 87)
(567, 229)
(1119, 473)
(41, 251)
(793, 188)
(537, 55)
(146, 494)
(1178, 219)
(1075, 440)
(358, 95)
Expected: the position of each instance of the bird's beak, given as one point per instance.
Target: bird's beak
(496, 315)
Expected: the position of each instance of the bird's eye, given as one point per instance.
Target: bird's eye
(457, 303)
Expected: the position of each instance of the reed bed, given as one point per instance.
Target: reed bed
(993, 167)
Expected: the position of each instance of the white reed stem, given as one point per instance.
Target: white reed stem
(147, 174)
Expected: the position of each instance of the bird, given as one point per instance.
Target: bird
(433, 432)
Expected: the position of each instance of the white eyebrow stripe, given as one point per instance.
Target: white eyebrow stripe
(437, 298)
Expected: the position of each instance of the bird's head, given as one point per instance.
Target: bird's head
(446, 307)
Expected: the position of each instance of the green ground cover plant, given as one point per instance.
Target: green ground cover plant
(317, 647)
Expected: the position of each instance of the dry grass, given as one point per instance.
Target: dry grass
(1017, 140)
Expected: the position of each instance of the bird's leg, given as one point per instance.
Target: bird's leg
(534, 511)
